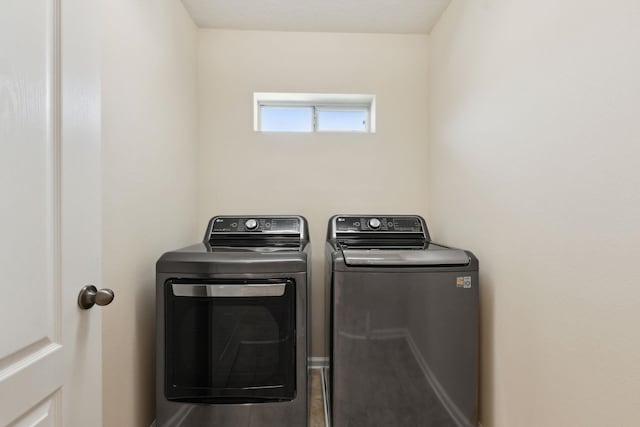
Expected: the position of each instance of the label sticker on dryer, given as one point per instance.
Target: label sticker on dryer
(463, 282)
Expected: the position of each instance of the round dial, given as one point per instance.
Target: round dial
(374, 223)
(251, 224)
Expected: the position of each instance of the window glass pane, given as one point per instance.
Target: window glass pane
(286, 119)
(342, 120)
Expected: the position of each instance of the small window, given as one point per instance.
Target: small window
(342, 119)
(286, 119)
(294, 112)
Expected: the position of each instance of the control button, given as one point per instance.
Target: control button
(374, 223)
(357, 224)
(234, 225)
(268, 224)
(251, 224)
(390, 224)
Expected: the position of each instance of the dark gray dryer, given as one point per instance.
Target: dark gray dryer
(403, 319)
(232, 318)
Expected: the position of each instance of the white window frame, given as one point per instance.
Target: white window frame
(317, 102)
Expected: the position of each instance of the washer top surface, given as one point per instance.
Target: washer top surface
(389, 241)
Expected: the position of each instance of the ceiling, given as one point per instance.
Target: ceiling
(339, 16)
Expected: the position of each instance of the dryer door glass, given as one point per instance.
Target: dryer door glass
(230, 341)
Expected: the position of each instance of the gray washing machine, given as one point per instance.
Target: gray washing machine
(403, 320)
(232, 319)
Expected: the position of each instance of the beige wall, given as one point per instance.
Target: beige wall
(534, 148)
(316, 175)
(149, 184)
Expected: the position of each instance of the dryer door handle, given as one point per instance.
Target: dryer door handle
(235, 290)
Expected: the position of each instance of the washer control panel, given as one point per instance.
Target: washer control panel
(395, 224)
(279, 225)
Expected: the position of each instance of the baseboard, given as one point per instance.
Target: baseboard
(318, 362)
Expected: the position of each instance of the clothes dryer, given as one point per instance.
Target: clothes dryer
(232, 319)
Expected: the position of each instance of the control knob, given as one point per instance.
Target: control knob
(374, 223)
(251, 224)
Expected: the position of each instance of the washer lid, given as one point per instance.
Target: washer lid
(433, 256)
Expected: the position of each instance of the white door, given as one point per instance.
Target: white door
(50, 349)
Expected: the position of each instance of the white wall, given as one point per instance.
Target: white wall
(149, 184)
(535, 141)
(316, 175)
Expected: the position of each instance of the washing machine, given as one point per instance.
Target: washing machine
(232, 322)
(403, 325)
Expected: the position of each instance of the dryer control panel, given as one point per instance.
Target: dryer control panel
(280, 225)
(257, 231)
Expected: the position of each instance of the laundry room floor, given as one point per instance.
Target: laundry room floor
(317, 403)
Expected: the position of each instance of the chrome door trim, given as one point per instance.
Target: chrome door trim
(228, 290)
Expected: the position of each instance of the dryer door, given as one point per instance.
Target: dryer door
(230, 341)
